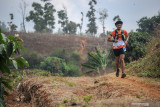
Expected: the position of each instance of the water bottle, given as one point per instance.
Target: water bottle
(124, 49)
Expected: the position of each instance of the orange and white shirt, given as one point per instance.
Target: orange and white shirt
(120, 43)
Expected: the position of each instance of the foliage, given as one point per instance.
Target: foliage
(92, 27)
(148, 24)
(8, 48)
(42, 16)
(148, 66)
(117, 18)
(69, 27)
(3, 27)
(55, 65)
(63, 19)
(81, 25)
(136, 47)
(96, 61)
(33, 58)
(74, 70)
(103, 16)
(88, 98)
(12, 26)
(72, 27)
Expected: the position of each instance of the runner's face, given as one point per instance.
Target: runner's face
(119, 26)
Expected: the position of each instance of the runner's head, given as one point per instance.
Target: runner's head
(119, 24)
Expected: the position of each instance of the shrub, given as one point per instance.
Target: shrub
(32, 58)
(136, 47)
(54, 65)
(75, 58)
(74, 70)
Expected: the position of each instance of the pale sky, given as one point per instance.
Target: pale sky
(129, 11)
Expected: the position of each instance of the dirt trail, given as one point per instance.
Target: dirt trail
(107, 91)
(150, 88)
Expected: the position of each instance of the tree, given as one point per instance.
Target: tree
(81, 25)
(72, 27)
(12, 26)
(148, 24)
(22, 8)
(3, 27)
(103, 16)
(42, 16)
(92, 28)
(117, 18)
(68, 27)
(63, 20)
(9, 46)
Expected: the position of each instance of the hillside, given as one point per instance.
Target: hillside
(43, 44)
(149, 65)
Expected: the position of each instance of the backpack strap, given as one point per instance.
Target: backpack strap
(116, 35)
(122, 33)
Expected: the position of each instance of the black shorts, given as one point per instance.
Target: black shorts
(118, 52)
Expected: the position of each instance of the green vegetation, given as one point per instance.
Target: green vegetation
(8, 48)
(147, 66)
(42, 16)
(136, 47)
(55, 65)
(148, 24)
(88, 98)
(96, 61)
(33, 59)
(92, 27)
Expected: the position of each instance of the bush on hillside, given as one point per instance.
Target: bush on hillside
(136, 47)
(55, 65)
(74, 70)
(149, 66)
(32, 58)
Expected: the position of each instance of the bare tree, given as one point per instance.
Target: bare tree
(22, 8)
(103, 16)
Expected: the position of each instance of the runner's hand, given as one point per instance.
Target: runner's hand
(126, 42)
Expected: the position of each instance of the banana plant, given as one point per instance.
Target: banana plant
(9, 47)
(96, 61)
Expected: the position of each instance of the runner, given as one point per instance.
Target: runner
(119, 46)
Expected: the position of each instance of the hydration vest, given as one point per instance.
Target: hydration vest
(116, 35)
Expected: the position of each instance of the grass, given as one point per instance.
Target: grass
(55, 85)
(71, 84)
(148, 66)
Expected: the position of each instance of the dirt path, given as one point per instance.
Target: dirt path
(152, 89)
(107, 91)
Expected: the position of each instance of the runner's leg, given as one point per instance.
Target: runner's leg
(117, 61)
(122, 56)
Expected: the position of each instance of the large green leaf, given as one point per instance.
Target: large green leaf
(22, 62)
(14, 62)
(4, 68)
